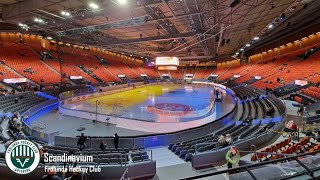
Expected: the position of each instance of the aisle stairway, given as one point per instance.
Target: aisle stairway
(164, 157)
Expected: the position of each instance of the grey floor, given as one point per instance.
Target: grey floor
(164, 157)
(291, 110)
(68, 125)
(185, 170)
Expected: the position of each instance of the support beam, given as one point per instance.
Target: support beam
(193, 8)
(177, 16)
(195, 57)
(21, 8)
(59, 22)
(157, 13)
(16, 10)
(154, 38)
(303, 19)
(220, 39)
(119, 24)
(203, 34)
(166, 3)
(204, 39)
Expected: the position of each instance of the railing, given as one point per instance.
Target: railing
(35, 109)
(300, 167)
(125, 175)
(31, 113)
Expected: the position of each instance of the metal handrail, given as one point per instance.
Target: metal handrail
(246, 167)
(267, 153)
(125, 175)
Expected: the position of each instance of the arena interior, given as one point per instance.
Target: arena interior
(160, 89)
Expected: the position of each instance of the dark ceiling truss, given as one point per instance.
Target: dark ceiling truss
(119, 24)
(82, 12)
(153, 38)
(259, 19)
(166, 3)
(226, 17)
(258, 22)
(162, 19)
(135, 51)
(307, 17)
(166, 24)
(192, 6)
(186, 27)
(240, 12)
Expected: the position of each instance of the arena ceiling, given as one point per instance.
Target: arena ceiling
(193, 29)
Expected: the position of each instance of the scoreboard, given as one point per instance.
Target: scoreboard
(167, 63)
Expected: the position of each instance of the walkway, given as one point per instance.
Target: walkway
(171, 167)
(164, 157)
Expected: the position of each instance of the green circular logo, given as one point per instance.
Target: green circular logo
(22, 156)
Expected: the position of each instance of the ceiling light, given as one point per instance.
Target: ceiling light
(93, 6)
(282, 17)
(130, 54)
(256, 38)
(241, 49)
(237, 53)
(24, 26)
(270, 26)
(248, 45)
(38, 20)
(122, 2)
(49, 38)
(65, 13)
